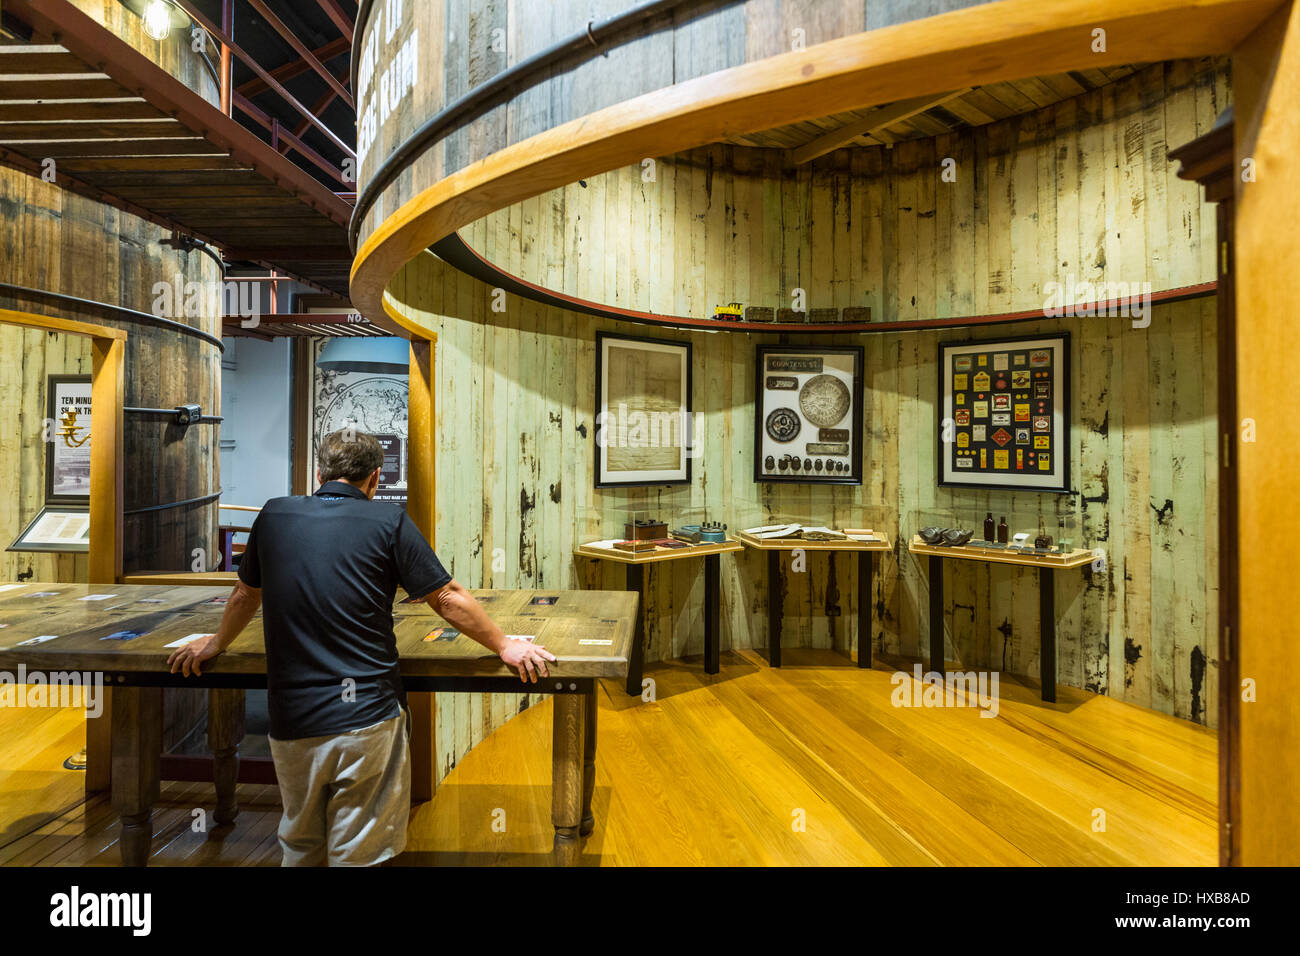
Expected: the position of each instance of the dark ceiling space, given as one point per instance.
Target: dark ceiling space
(310, 22)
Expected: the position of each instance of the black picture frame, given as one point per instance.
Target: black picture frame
(53, 498)
(602, 476)
(856, 416)
(1058, 479)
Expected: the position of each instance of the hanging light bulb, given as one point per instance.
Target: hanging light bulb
(157, 19)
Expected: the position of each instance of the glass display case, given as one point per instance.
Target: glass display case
(774, 520)
(1023, 530)
(642, 531)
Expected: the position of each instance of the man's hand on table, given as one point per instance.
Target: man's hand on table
(240, 608)
(526, 658)
(188, 658)
(457, 607)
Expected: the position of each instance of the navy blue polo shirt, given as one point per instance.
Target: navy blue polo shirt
(329, 566)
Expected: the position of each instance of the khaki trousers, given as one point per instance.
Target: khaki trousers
(347, 797)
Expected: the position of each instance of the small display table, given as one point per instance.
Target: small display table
(634, 567)
(774, 546)
(1046, 564)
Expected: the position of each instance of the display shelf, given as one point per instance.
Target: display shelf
(1004, 555)
(879, 541)
(660, 553)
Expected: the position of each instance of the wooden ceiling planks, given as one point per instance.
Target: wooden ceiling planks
(976, 107)
(12, 132)
(107, 110)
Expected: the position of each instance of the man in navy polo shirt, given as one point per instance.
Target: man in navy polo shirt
(325, 568)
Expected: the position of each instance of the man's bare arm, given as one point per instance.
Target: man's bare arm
(458, 608)
(240, 608)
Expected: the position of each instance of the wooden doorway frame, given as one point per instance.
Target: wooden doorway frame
(107, 400)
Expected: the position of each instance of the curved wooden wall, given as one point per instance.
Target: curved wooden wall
(482, 38)
(1005, 40)
(868, 226)
(515, 448)
(65, 244)
(174, 54)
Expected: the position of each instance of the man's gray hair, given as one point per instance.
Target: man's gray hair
(348, 454)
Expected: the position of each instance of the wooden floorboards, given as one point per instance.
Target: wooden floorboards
(807, 765)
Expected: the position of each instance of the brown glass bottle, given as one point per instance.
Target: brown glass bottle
(1002, 530)
(988, 526)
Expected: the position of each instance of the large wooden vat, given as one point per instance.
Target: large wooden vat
(66, 255)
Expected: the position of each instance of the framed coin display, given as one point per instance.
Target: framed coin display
(808, 414)
(1004, 413)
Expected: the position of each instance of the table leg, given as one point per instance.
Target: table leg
(137, 752)
(937, 662)
(589, 708)
(1047, 633)
(636, 582)
(774, 608)
(712, 610)
(225, 732)
(567, 745)
(866, 562)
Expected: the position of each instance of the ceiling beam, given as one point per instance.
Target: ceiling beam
(317, 108)
(198, 17)
(298, 67)
(278, 26)
(876, 119)
(341, 19)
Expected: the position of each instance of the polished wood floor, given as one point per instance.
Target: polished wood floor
(807, 765)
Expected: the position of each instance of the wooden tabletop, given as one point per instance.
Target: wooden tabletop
(660, 553)
(879, 542)
(1071, 559)
(590, 632)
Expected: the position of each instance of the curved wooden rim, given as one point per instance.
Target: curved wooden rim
(458, 254)
(1005, 40)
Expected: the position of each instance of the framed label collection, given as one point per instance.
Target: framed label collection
(1004, 413)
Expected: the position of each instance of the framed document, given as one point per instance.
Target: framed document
(808, 414)
(1004, 413)
(67, 440)
(644, 429)
(56, 529)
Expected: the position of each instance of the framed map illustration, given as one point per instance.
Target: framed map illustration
(1004, 413)
(644, 429)
(372, 402)
(808, 414)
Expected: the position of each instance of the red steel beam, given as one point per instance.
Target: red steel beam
(341, 19)
(324, 53)
(279, 27)
(290, 253)
(252, 64)
(227, 64)
(107, 53)
(290, 139)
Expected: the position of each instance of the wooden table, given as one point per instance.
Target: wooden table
(590, 632)
(863, 549)
(634, 580)
(1047, 564)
